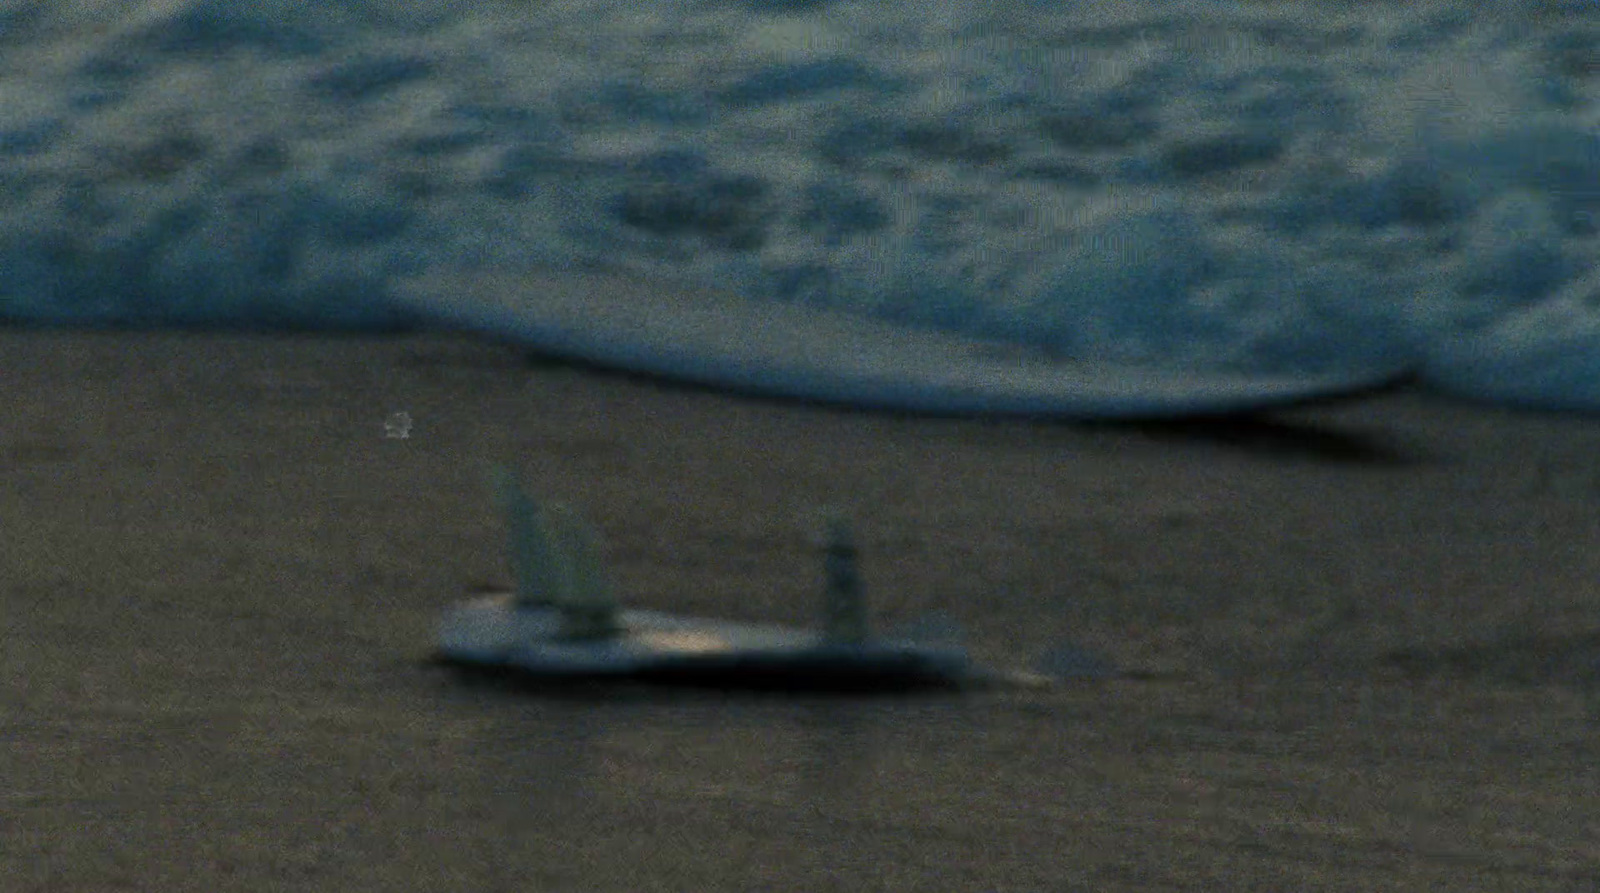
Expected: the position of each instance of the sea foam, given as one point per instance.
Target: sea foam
(1256, 186)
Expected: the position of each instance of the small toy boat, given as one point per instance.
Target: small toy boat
(562, 624)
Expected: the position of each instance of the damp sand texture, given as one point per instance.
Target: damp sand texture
(1367, 629)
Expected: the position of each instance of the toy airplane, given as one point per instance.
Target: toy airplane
(562, 624)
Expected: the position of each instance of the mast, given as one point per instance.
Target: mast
(844, 608)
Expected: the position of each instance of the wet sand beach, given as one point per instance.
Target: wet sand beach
(1361, 640)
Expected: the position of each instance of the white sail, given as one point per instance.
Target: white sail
(556, 562)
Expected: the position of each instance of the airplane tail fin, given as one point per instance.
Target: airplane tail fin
(555, 560)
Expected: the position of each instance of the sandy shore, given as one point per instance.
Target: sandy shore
(1371, 632)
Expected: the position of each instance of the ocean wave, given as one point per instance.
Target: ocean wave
(1270, 187)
